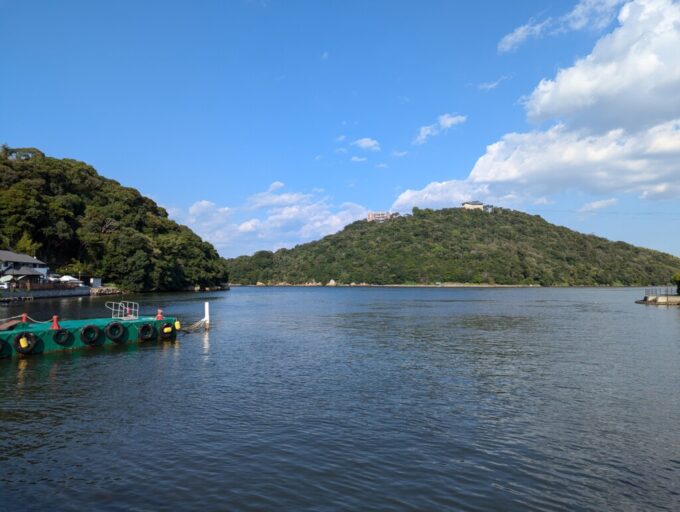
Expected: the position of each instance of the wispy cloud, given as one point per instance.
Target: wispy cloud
(367, 143)
(444, 122)
(358, 159)
(488, 86)
(325, 55)
(381, 166)
(586, 14)
(514, 39)
(399, 154)
(598, 205)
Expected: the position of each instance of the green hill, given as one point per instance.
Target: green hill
(75, 220)
(456, 245)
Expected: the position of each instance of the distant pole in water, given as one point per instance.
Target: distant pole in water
(206, 317)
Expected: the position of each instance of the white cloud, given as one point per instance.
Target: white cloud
(399, 154)
(514, 39)
(381, 166)
(586, 14)
(559, 158)
(270, 198)
(440, 194)
(340, 138)
(598, 205)
(631, 79)
(367, 143)
(358, 159)
(444, 122)
(269, 224)
(249, 226)
(341, 150)
(616, 123)
(317, 158)
(595, 14)
(488, 86)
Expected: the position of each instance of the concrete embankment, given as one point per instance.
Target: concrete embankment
(660, 299)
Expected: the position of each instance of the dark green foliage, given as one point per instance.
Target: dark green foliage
(456, 245)
(676, 280)
(78, 221)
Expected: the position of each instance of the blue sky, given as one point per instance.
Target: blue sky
(263, 124)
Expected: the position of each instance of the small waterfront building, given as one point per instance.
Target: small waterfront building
(473, 205)
(380, 216)
(18, 265)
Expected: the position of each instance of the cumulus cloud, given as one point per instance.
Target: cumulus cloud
(598, 205)
(367, 143)
(269, 220)
(271, 198)
(444, 122)
(616, 123)
(631, 79)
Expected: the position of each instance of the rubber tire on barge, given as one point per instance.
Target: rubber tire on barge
(62, 337)
(115, 331)
(146, 332)
(90, 339)
(32, 342)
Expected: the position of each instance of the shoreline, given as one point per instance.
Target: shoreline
(442, 285)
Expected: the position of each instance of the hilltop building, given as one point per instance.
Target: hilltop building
(381, 216)
(477, 205)
(473, 205)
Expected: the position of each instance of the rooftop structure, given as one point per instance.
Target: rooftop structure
(473, 205)
(380, 216)
(22, 265)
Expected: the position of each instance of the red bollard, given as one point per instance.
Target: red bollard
(159, 315)
(55, 323)
(24, 318)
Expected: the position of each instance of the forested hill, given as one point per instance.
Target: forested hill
(456, 245)
(69, 216)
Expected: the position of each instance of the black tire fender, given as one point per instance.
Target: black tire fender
(90, 334)
(30, 338)
(146, 332)
(166, 335)
(115, 331)
(61, 337)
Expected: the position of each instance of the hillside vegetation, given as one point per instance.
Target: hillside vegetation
(456, 245)
(75, 220)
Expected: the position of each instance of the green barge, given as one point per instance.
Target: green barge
(23, 337)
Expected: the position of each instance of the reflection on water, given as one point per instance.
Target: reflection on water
(327, 399)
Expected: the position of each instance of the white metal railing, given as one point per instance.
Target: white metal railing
(124, 310)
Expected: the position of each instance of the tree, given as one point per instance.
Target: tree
(676, 280)
(26, 245)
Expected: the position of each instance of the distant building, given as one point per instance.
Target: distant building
(381, 216)
(473, 205)
(22, 266)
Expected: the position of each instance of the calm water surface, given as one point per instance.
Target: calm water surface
(356, 399)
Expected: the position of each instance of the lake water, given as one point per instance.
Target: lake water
(356, 399)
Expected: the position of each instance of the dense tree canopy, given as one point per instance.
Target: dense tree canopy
(64, 213)
(456, 245)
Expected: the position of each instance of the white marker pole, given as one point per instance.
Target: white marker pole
(206, 318)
